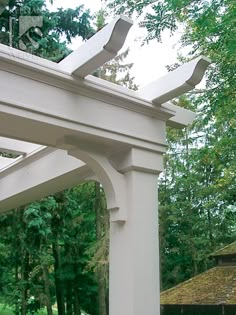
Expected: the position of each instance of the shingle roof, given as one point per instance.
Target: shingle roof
(227, 250)
(215, 286)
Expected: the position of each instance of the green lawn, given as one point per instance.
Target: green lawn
(5, 310)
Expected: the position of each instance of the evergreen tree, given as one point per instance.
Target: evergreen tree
(28, 25)
(197, 190)
(44, 259)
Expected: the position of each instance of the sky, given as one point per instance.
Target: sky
(150, 60)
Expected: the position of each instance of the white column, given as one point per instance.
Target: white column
(134, 244)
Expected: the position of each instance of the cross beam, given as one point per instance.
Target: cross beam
(40, 174)
(99, 49)
(16, 147)
(177, 82)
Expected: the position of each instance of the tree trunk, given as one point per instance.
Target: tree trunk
(77, 310)
(58, 283)
(69, 282)
(47, 289)
(69, 300)
(17, 307)
(24, 279)
(17, 244)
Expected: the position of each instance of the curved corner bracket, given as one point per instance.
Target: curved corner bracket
(99, 49)
(176, 83)
(112, 181)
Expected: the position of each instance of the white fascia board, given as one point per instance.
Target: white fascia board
(17, 147)
(99, 49)
(176, 82)
(43, 174)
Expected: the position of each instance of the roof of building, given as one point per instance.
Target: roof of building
(227, 250)
(215, 286)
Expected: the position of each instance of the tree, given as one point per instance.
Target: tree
(198, 202)
(28, 25)
(36, 247)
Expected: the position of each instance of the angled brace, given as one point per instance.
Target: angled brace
(99, 49)
(112, 181)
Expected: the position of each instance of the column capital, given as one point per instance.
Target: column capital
(139, 160)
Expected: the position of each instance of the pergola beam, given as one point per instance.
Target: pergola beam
(47, 172)
(99, 49)
(43, 73)
(182, 118)
(4, 162)
(17, 147)
(50, 113)
(176, 82)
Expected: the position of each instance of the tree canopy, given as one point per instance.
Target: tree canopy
(55, 251)
(197, 190)
(44, 33)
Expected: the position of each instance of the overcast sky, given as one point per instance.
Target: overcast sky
(149, 60)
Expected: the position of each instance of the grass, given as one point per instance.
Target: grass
(6, 310)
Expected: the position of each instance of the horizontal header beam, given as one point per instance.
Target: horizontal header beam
(40, 70)
(36, 112)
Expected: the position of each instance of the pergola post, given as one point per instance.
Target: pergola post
(118, 134)
(134, 248)
(130, 182)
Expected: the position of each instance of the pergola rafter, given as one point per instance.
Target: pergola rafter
(64, 126)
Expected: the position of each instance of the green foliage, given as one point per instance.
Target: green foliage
(197, 191)
(44, 246)
(57, 229)
(117, 71)
(56, 249)
(58, 27)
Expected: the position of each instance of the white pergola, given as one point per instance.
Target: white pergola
(67, 126)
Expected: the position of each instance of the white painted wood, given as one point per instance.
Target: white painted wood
(182, 118)
(134, 255)
(134, 258)
(41, 113)
(176, 82)
(99, 49)
(40, 175)
(17, 147)
(39, 70)
(4, 162)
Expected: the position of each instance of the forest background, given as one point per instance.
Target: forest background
(54, 252)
